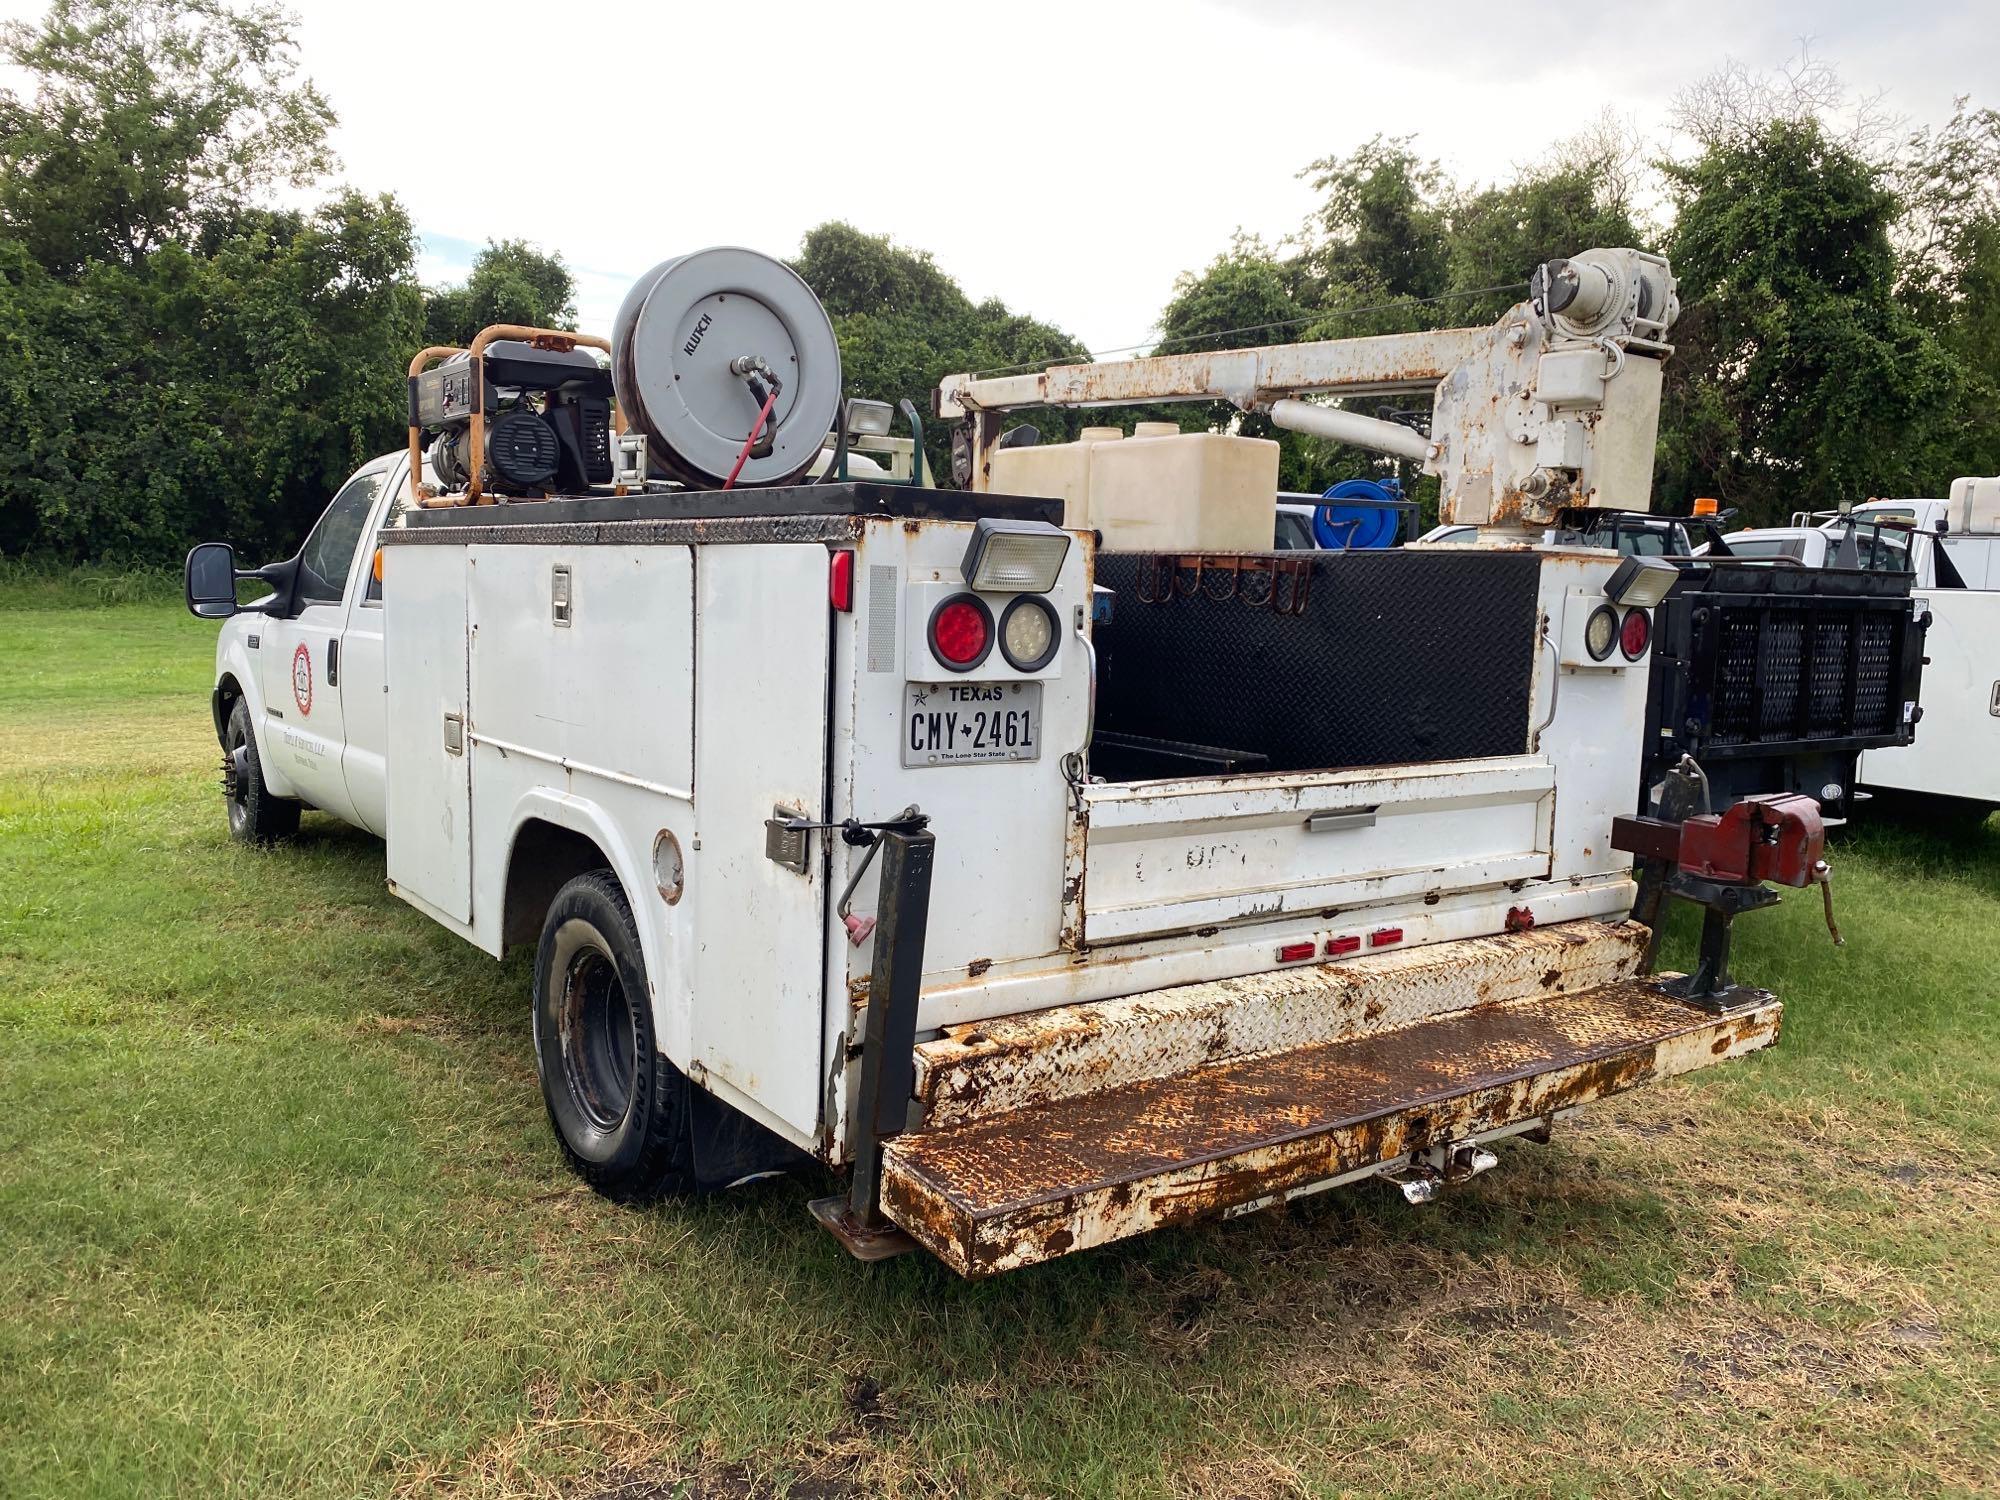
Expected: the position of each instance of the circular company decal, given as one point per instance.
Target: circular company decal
(302, 680)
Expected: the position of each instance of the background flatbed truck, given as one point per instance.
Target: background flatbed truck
(1947, 763)
(797, 790)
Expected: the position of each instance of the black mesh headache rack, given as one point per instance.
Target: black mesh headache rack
(1774, 678)
(1313, 660)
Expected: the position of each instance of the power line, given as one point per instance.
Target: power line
(1223, 333)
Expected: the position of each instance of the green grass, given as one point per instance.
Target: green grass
(280, 1214)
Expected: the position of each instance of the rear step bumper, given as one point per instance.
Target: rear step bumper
(1008, 1190)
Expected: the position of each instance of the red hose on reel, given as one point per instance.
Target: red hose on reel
(749, 442)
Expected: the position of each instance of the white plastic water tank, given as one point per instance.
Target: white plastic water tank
(1975, 504)
(1053, 471)
(1160, 490)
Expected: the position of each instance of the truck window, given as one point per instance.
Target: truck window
(1645, 543)
(1885, 554)
(392, 517)
(1294, 532)
(328, 555)
(1772, 546)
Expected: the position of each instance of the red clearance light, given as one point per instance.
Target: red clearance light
(840, 582)
(1351, 943)
(961, 632)
(1381, 937)
(1291, 953)
(1636, 634)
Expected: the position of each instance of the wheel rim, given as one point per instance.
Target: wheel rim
(599, 1041)
(236, 779)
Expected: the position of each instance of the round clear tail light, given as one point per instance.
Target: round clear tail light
(1636, 634)
(1600, 632)
(1029, 633)
(961, 632)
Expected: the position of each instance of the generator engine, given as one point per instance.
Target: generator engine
(547, 418)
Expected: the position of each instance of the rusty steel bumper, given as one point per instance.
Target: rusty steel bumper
(1186, 1123)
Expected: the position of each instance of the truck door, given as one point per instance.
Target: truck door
(307, 733)
(364, 702)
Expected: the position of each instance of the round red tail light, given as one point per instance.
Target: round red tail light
(1636, 634)
(961, 632)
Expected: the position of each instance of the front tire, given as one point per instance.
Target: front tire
(256, 814)
(620, 1110)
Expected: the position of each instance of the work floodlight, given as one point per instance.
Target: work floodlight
(1014, 557)
(1641, 582)
(869, 418)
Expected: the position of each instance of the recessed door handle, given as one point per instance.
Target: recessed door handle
(333, 662)
(1331, 822)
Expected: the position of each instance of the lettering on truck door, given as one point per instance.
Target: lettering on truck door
(307, 732)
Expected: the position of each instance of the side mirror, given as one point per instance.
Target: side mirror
(211, 581)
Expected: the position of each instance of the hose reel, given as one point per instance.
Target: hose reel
(705, 343)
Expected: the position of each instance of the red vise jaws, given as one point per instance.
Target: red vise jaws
(1777, 837)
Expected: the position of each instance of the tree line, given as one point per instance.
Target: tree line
(181, 359)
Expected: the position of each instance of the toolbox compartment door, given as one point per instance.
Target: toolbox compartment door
(762, 645)
(1164, 857)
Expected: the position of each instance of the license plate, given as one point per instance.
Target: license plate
(967, 723)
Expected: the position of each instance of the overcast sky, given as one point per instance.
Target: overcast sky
(1069, 158)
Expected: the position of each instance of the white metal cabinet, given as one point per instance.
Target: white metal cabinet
(760, 743)
(1957, 749)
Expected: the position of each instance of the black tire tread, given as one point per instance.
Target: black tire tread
(665, 1165)
(269, 818)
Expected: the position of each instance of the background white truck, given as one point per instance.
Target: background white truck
(799, 788)
(1952, 546)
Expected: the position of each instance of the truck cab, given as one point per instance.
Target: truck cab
(300, 690)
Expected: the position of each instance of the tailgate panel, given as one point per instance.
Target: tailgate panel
(1176, 856)
(1023, 1187)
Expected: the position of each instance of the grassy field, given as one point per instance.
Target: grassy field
(280, 1214)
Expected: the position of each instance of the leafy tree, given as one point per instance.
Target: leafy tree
(903, 324)
(1384, 225)
(148, 118)
(510, 282)
(1800, 378)
(144, 408)
(1949, 245)
(176, 361)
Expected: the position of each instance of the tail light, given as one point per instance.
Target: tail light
(1636, 634)
(1029, 634)
(840, 582)
(1600, 632)
(961, 632)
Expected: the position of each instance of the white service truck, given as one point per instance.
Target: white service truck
(1952, 547)
(807, 797)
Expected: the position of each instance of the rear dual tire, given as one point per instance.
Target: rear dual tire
(620, 1110)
